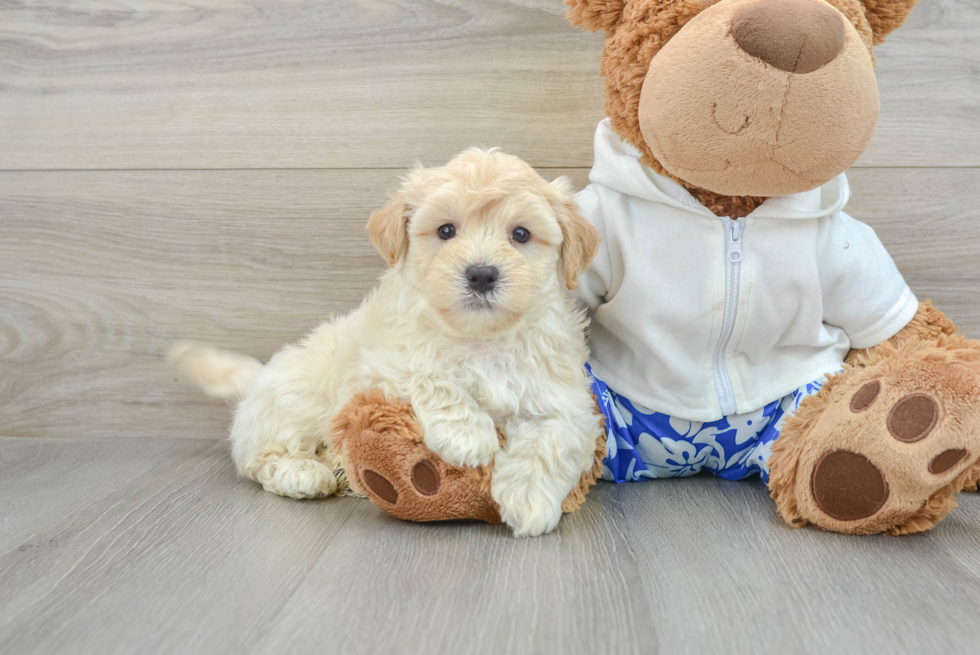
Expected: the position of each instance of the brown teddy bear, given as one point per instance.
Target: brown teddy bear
(742, 322)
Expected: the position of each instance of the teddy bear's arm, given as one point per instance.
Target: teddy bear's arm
(927, 325)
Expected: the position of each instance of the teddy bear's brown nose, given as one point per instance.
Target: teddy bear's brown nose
(798, 36)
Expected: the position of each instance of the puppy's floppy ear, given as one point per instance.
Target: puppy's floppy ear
(886, 16)
(388, 229)
(580, 239)
(595, 15)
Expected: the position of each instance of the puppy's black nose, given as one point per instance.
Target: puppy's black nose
(482, 278)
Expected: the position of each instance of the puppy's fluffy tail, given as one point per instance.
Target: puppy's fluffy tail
(220, 373)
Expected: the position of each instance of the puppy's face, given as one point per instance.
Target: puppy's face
(483, 255)
(483, 238)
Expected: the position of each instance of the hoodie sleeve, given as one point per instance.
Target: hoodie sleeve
(594, 283)
(863, 292)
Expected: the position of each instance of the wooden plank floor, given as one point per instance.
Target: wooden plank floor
(153, 546)
(205, 168)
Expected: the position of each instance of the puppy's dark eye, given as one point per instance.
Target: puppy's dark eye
(521, 235)
(447, 231)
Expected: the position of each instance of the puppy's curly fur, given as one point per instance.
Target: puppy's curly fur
(466, 361)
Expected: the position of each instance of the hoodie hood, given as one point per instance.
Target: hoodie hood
(617, 166)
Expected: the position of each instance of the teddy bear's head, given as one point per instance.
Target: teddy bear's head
(743, 97)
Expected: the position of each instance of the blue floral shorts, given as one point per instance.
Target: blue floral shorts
(645, 444)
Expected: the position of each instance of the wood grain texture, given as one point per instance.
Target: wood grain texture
(153, 546)
(163, 551)
(380, 83)
(103, 270)
(279, 83)
(718, 549)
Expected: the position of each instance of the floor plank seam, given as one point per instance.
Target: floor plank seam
(376, 168)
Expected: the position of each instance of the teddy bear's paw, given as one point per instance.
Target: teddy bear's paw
(895, 441)
(412, 483)
(387, 460)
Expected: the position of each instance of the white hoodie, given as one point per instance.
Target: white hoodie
(701, 317)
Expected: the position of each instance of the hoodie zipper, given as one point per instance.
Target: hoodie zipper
(734, 233)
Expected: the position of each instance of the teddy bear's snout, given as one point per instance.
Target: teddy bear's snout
(797, 36)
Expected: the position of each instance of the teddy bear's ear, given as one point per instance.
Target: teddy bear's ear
(595, 15)
(886, 16)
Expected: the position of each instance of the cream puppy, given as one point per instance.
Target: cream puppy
(470, 324)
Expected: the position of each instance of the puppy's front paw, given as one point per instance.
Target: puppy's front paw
(464, 443)
(529, 512)
(297, 477)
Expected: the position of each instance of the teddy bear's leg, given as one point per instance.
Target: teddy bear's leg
(885, 444)
(386, 460)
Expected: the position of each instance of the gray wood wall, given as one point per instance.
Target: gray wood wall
(205, 169)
